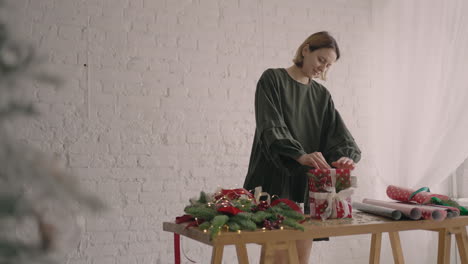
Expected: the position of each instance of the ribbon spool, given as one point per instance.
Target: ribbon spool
(258, 194)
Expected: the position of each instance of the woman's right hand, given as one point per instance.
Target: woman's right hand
(315, 160)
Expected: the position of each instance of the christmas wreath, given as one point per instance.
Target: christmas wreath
(238, 209)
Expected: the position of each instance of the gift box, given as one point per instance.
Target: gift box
(330, 193)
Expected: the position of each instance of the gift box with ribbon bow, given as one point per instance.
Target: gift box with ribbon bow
(330, 193)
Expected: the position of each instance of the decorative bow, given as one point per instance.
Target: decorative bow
(331, 196)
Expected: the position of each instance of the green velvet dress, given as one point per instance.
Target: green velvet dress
(293, 119)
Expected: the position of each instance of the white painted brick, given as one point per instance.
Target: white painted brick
(126, 161)
(127, 260)
(130, 187)
(102, 250)
(138, 64)
(102, 238)
(140, 39)
(133, 210)
(157, 161)
(142, 101)
(76, 261)
(140, 248)
(109, 23)
(105, 260)
(74, 33)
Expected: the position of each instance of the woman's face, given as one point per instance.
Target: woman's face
(317, 61)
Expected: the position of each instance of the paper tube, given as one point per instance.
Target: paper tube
(451, 211)
(410, 211)
(378, 210)
(431, 212)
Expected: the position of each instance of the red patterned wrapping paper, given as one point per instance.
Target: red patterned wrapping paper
(329, 188)
(319, 205)
(403, 195)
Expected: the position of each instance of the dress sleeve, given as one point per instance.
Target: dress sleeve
(272, 132)
(338, 140)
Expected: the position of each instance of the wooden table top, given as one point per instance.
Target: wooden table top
(361, 223)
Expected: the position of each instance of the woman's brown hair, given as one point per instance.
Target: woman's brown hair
(317, 41)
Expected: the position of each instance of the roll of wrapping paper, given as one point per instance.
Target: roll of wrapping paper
(430, 212)
(378, 210)
(451, 211)
(404, 195)
(410, 211)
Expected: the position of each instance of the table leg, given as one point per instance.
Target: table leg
(242, 257)
(376, 244)
(292, 252)
(462, 243)
(443, 255)
(217, 254)
(262, 254)
(396, 247)
(268, 253)
(176, 248)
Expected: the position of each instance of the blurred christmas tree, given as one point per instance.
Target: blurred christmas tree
(36, 195)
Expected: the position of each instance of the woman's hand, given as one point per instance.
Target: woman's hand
(344, 163)
(315, 160)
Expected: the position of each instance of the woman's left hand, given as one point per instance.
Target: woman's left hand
(344, 163)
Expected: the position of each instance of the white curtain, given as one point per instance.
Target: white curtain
(419, 123)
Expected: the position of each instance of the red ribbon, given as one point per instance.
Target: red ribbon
(233, 194)
(230, 210)
(183, 219)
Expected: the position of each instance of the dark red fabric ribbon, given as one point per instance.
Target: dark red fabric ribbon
(230, 210)
(233, 194)
(289, 203)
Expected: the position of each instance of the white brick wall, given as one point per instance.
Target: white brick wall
(164, 106)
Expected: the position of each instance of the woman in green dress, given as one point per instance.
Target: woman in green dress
(298, 128)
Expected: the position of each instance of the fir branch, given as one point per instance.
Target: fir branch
(245, 215)
(259, 216)
(244, 223)
(233, 226)
(201, 211)
(205, 225)
(292, 223)
(285, 210)
(217, 224)
(203, 199)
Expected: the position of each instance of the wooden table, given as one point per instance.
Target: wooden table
(361, 223)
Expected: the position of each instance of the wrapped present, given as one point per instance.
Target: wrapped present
(324, 205)
(330, 193)
(320, 179)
